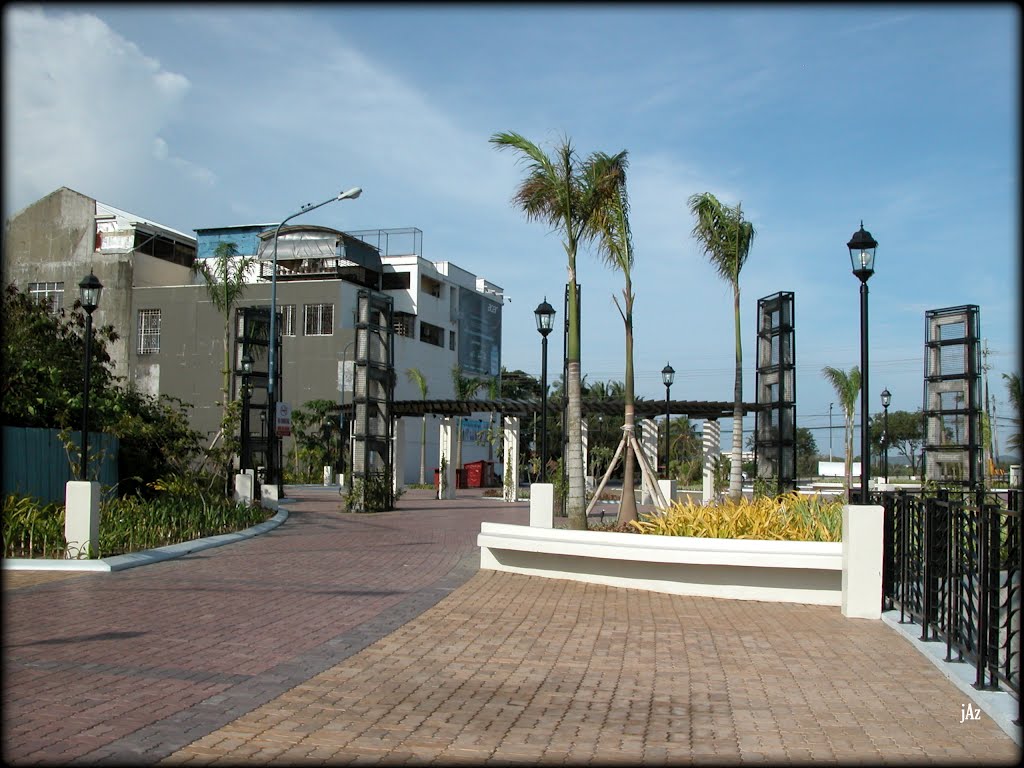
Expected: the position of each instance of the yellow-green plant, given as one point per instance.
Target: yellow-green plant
(791, 517)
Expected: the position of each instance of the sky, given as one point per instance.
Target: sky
(813, 117)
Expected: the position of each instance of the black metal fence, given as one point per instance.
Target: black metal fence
(952, 564)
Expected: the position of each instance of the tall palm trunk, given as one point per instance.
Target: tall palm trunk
(736, 468)
(628, 503)
(577, 502)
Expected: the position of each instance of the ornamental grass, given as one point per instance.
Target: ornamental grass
(791, 517)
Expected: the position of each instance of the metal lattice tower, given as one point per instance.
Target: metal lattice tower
(775, 422)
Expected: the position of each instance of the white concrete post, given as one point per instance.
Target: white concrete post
(244, 484)
(588, 478)
(447, 455)
(862, 561)
(328, 474)
(398, 455)
(668, 489)
(542, 505)
(81, 518)
(510, 458)
(649, 445)
(712, 447)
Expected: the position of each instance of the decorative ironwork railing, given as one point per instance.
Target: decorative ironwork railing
(952, 564)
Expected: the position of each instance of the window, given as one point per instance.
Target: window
(319, 319)
(149, 331)
(405, 324)
(431, 286)
(288, 320)
(394, 281)
(431, 334)
(51, 293)
(451, 340)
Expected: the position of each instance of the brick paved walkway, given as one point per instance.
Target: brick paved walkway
(325, 640)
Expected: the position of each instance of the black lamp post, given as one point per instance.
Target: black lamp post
(886, 399)
(247, 362)
(668, 375)
(89, 290)
(545, 315)
(862, 257)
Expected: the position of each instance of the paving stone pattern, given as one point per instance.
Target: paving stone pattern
(343, 639)
(132, 665)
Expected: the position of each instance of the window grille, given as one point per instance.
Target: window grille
(149, 331)
(319, 319)
(288, 320)
(51, 293)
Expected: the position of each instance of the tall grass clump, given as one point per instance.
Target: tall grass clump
(791, 517)
(174, 511)
(31, 529)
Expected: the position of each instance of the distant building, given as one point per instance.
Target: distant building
(171, 335)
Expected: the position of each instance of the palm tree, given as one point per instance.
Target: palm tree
(225, 284)
(726, 239)
(566, 193)
(611, 229)
(1014, 391)
(416, 377)
(847, 387)
(465, 388)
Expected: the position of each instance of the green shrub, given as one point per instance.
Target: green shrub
(32, 529)
(128, 524)
(791, 517)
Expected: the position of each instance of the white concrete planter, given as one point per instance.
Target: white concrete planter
(776, 571)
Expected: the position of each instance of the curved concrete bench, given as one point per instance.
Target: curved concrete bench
(780, 571)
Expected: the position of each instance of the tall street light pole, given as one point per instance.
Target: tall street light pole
(668, 375)
(862, 257)
(272, 394)
(545, 316)
(886, 399)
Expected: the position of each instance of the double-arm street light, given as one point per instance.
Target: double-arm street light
(862, 257)
(668, 375)
(886, 399)
(272, 395)
(89, 297)
(545, 316)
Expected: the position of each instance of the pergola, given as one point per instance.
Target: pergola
(694, 409)
(512, 410)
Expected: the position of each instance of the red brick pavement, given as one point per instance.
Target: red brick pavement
(328, 641)
(140, 662)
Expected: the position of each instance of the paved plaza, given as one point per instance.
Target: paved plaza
(341, 638)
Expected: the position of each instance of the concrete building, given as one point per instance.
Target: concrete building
(172, 335)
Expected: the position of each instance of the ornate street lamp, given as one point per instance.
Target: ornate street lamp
(668, 375)
(246, 458)
(886, 399)
(89, 297)
(545, 316)
(272, 394)
(862, 257)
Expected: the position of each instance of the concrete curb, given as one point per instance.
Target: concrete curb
(1000, 706)
(145, 557)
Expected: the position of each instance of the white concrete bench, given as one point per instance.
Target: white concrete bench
(783, 571)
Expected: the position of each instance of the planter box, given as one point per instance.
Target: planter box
(777, 571)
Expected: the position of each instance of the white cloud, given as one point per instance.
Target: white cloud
(83, 107)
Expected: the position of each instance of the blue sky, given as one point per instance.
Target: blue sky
(813, 116)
